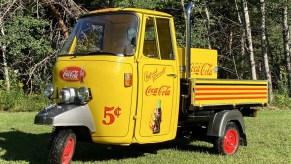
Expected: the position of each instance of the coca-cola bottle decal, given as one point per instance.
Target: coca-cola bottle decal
(82, 75)
(155, 124)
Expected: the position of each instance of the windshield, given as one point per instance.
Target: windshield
(112, 34)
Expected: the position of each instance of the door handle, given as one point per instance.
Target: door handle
(172, 75)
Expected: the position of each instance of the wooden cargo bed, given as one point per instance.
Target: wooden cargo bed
(213, 92)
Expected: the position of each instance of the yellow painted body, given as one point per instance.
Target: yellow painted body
(127, 114)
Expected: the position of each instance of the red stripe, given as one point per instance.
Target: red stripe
(230, 98)
(207, 89)
(233, 93)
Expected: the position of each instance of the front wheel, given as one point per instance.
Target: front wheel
(229, 142)
(62, 147)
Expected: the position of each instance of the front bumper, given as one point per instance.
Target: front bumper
(66, 115)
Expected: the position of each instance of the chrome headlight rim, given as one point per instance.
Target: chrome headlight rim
(49, 90)
(83, 95)
(64, 95)
(78, 96)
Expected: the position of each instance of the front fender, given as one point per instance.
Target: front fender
(66, 115)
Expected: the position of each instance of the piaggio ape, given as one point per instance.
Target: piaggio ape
(121, 79)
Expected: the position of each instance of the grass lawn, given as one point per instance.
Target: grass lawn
(269, 141)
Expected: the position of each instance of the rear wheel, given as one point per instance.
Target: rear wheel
(229, 142)
(62, 147)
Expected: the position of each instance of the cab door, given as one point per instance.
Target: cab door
(158, 82)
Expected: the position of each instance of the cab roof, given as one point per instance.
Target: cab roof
(137, 10)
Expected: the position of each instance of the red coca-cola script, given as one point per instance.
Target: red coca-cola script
(164, 90)
(202, 69)
(72, 74)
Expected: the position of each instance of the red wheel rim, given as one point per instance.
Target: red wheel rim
(230, 142)
(68, 151)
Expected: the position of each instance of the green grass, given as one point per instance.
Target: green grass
(269, 141)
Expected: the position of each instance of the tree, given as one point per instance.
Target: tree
(207, 23)
(265, 46)
(6, 13)
(242, 36)
(249, 39)
(70, 7)
(286, 38)
(24, 44)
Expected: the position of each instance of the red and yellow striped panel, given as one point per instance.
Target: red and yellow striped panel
(207, 92)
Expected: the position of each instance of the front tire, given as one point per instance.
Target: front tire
(229, 142)
(62, 147)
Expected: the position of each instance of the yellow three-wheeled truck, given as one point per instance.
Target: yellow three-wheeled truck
(121, 79)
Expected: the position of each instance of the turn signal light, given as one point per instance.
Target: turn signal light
(127, 79)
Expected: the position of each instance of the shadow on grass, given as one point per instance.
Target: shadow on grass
(97, 152)
(32, 148)
(21, 146)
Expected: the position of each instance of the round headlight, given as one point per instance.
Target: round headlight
(83, 94)
(49, 90)
(65, 95)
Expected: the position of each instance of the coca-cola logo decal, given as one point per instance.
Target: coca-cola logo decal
(163, 90)
(73, 74)
(203, 69)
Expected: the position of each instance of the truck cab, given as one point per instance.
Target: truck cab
(129, 62)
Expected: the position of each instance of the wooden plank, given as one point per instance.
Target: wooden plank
(213, 92)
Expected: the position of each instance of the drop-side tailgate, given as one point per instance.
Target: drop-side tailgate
(214, 92)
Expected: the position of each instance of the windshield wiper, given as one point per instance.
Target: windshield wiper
(99, 52)
(89, 53)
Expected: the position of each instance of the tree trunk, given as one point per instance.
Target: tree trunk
(58, 18)
(249, 39)
(231, 54)
(242, 40)
(207, 24)
(185, 16)
(265, 48)
(289, 42)
(286, 38)
(4, 14)
(3, 49)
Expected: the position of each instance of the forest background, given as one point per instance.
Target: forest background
(252, 38)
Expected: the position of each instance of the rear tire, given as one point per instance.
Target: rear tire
(229, 142)
(62, 147)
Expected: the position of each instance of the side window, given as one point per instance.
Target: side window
(150, 39)
(165, 40)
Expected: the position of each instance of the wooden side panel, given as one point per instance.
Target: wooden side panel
(211, 92)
